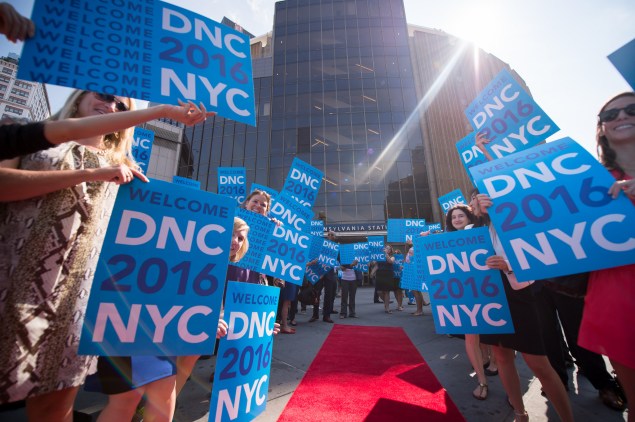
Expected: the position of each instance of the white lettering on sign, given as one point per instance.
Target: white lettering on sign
(481, 117)
(225, 401)
(168, 225)
(127, 333)
(258, 324)
(451, 261)
(304, 178)
(543, 174)
(454, 317)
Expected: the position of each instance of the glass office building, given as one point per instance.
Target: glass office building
(337, 84)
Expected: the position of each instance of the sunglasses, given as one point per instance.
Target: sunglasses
(610, 115)
(108, 98)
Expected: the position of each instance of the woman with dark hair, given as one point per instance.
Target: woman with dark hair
(461, 217)
(608, 323)
(385, 277)
(527, 338)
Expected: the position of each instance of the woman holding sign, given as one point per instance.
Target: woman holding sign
(52, 229)
(527, 338)
(459, 217)
(608, 324)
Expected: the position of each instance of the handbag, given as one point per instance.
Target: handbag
(572, 285)
(307, 295)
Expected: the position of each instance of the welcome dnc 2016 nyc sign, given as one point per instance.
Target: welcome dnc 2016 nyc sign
(144, 49)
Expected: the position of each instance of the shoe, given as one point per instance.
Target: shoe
(411, 303)
(302, 311)
(388, 312)
(611, 396)
(491, 373)
(480, 393)
(378, 301)
(287, 331)
(417, 314)
(313, 319)
(334, 311)
(329, 320)
(400, 308)
(342, 316)
(293, 323)
(353, 316)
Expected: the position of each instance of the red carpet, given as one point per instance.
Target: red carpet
(369, 374)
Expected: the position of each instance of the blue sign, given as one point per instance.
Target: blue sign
(553, 214)
(184, 181)
(434, 228)
(317, 227)
(243, 366)
(508, 117)
(303, 182)
(159, 280)
(451, 199)
(272, 192)
(376, 248)
(232, 182)
(411, 279)
(142, 141)
(466, 296)
(291, 213)
(623, 61)
(403, 229)
(278, 251)
(355, 251)
(150, 50)
(325, 251)
(469, 153)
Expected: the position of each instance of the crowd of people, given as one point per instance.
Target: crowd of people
(58, 182)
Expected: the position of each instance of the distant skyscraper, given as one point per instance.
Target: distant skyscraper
(352, 89)
(21, 99)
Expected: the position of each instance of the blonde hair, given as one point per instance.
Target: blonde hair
(119, 144)
(240, 224)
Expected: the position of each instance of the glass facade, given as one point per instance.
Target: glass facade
(339, 96)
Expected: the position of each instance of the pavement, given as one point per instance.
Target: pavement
(292, 355)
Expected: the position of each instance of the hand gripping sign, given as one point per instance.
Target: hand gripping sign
(508, 117)
(355, 251)
(160, 276)
(553, 213)
(243, 366)
(148, 50)
(467, 297)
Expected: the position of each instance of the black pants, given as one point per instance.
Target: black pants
(329, 286)
(557, 309)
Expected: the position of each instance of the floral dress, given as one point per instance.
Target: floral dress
(49, 246)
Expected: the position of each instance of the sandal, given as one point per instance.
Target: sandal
(480, 393)
(400, 308)
(287, 331)
(388, 312)
(417, 313)
(293, 323)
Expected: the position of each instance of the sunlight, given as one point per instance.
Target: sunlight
(389, 155)
(477, 22)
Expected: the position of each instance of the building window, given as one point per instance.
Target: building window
(7, 71)
(21, 84)
(5, 78)
(17, 100)
(10, 109)
(19, 92)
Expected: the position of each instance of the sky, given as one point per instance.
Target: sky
(559, 47)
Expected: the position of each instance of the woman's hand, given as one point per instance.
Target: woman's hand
(117, 174)
(480, 140)
(276, 221)
(188, 113)
(276, 328)
(15, 26)
(497, 262)
(626, 186)
(221, 331)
